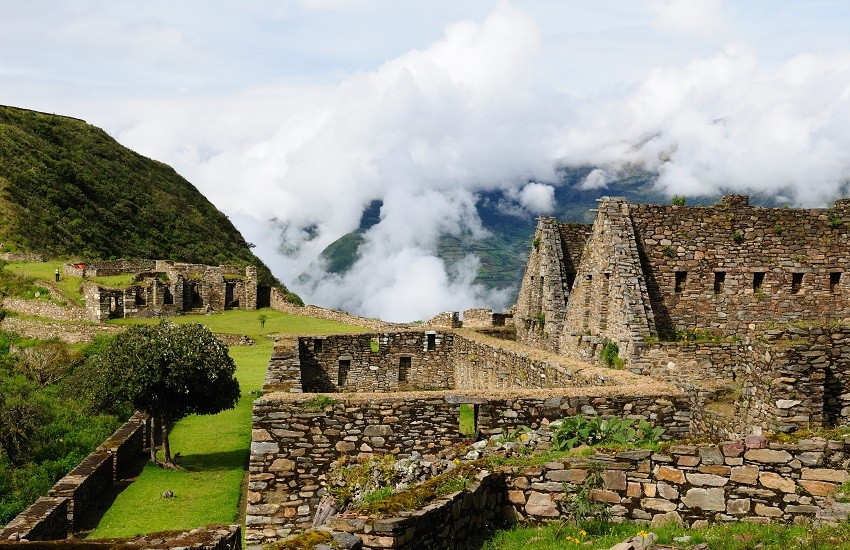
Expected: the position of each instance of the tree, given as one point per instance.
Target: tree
(168, 371)
(22, 412)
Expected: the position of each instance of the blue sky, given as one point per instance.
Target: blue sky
(292, 115)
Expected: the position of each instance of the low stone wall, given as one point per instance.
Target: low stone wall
(83, 486)
(45, 330)
(77, 493)
(108, 268)
(41, 308)
(446, 319)
(21, 257)
(278, 303)
(696, 484)
(46, 519)
(297, 437)
(449, 522)
(211, 537)
(284, 370)
(481, 364)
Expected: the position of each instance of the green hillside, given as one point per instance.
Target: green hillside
(68, 190)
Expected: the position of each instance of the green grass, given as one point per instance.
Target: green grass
(214, 449)
(467, 420)
(560, 535)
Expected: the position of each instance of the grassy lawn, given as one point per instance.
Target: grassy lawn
(560, 535)
(214, 449)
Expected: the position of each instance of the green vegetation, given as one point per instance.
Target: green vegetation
(167, 371)
(578, 430)
(610, 354)
(561, 535)
(67, 189)
(668, 251)
(214, 448)
(45, 428)
(319, 402)
(417, 496)
(466, 422)
(678, 200)
(738, 236)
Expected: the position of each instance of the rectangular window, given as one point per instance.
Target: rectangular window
(834, 281)
(758, 280)
(719, 281)
(432, 342)
(317, 345)
(571, 278)
(404, 369)
(344, 367)
(375, 345)
(681, 276)
(796, 282)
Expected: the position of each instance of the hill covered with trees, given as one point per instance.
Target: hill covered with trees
(68, 190)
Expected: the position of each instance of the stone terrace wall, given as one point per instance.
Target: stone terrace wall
(449, 522)
(481, 364)
(322, 361)
(42, 330)
(46, 519)
(734, 480)
(21, 257)
(740, 241)
(284, 370)
(294, 443)
(278, 303)
(41, 308)
(74, 496)
(111, 267)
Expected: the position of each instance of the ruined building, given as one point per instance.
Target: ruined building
(162, 287)
(642, 272)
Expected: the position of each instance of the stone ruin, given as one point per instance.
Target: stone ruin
(727, 321)
(163, 287)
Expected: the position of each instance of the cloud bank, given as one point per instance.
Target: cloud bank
(713, 97)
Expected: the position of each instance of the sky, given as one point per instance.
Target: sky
(292, 115)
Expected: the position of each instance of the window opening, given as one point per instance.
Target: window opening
(571, 278)
(834, 280)
(796, 283)
(758, 280)
(432, 342)
(681, 276)
(167, 297)
(404, 369)
(719, 281)
(344, 367)
(317, 345)
(375, 345)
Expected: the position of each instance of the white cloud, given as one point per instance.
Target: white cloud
(598, 178)
(538, 198)
(704, 17)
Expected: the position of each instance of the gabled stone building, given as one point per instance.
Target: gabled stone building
(642, 272)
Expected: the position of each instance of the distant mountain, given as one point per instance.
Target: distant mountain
(67, 189)
(504, 253)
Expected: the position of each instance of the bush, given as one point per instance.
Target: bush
(578, 430)
(610, 355)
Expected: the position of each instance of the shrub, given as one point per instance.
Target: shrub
(678, 200)
(737, 236)
(610, 355)
(578, 430)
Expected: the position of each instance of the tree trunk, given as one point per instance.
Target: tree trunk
(166, 447)
(153, 439)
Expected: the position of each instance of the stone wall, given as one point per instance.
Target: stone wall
(108, 268)
(21, 257)
(76, 494)
(695, 484)
(387, 361)
(46, 519)
(449, 522)
(297, 437)
(446, 319)
(556, 252)
(284, 370)
(758, 251)
(43, 308)
(479, 363)
(45, 330)
(279, 303)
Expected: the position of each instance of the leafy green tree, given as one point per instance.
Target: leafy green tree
(168, 371)
(22, 412)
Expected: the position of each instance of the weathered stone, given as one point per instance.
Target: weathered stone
(825, 474)
(705, 499)
(667, 491)
(541, 504)
(574, 476)
(282, 465)
(516, 497)
(667, 518)
(710, 455)
(673, 475)
(659, 504)
(602, 495)
(776, 481)
(745, 474)
(767, 456)
(767, 511)
(614, 480)
(818, 488)
(706, 479)
(738, 506)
